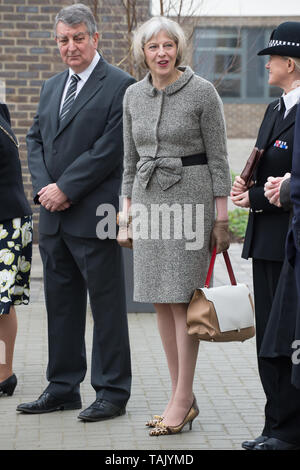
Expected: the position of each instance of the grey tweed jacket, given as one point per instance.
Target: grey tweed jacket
(166, 124)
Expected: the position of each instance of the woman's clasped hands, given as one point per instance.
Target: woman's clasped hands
(239, 193)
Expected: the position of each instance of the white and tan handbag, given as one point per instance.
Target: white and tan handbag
(224, 313)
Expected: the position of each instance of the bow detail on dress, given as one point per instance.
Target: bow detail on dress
(168, 171)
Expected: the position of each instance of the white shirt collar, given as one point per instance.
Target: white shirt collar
(87, 72)
(291, 98)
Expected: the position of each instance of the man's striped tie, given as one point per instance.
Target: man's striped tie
(70, 97)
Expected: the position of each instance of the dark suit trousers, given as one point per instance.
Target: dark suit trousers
(74, 266)
(283, 421)
(265, 279)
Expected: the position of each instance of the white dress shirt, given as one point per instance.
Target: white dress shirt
(290, 99)
(84, 76)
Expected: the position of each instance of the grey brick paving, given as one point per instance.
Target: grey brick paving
(227, 387)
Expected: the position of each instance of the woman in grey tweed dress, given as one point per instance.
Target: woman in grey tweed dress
(175, 154)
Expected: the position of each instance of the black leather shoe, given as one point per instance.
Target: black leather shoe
(7, 387)
(249, 445)
(100, 410)
(275, 444)
(47, 403)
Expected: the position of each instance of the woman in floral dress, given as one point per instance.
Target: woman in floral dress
(15, 248)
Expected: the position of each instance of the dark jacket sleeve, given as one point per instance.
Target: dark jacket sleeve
(285, 195)
(5, 112)
(295, 176)
(39, 174)
(258, 201)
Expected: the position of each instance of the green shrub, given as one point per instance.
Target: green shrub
(233, 175)
(238, 219)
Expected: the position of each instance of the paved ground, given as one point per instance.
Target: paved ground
(227, 387)
(238, 152)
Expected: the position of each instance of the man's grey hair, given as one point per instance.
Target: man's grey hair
(76, 14)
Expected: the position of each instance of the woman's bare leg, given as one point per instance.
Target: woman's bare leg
(187, 350)
(166, 327)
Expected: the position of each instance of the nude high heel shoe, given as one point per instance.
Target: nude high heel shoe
(162, 430)
(154, 421)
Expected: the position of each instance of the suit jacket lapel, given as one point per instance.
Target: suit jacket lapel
(56, 100)
(266, 137)
(266, 130)
(91, 87)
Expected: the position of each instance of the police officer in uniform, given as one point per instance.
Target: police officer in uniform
(268, 224)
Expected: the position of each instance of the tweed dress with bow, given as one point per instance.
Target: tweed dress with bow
(173, 204)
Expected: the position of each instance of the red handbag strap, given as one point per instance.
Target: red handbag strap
(211, 267)
(229, 268)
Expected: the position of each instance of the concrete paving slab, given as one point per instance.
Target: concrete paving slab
(227, 387)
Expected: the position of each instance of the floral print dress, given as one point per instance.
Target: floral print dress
(15, 262)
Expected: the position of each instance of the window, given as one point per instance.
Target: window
(228, 58)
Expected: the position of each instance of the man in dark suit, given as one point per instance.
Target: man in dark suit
(75, 154)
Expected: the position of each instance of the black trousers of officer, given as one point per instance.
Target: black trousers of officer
(283, 420)
(282, 410)
(265, 279)
(74, 266)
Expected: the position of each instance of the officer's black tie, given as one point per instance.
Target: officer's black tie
(279, 116)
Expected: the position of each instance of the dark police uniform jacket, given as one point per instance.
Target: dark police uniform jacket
(267, 225)
(13, 202)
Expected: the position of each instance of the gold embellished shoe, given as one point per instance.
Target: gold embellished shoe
(162, 430)
(154, 421)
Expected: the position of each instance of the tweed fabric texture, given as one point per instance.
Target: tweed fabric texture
(186, 118)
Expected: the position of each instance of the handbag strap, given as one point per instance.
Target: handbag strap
(228, 265)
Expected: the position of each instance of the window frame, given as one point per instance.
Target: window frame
(243, 50)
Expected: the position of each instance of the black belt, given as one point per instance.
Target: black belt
(198, 159)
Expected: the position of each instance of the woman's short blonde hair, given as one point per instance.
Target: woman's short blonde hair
(151, 28)
(296, 60)
(297, 63)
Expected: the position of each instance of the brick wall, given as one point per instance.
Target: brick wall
(28, 56)
(113, 27)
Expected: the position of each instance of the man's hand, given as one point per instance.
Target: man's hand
(64, 206)
(272, 188)
(53, 199)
